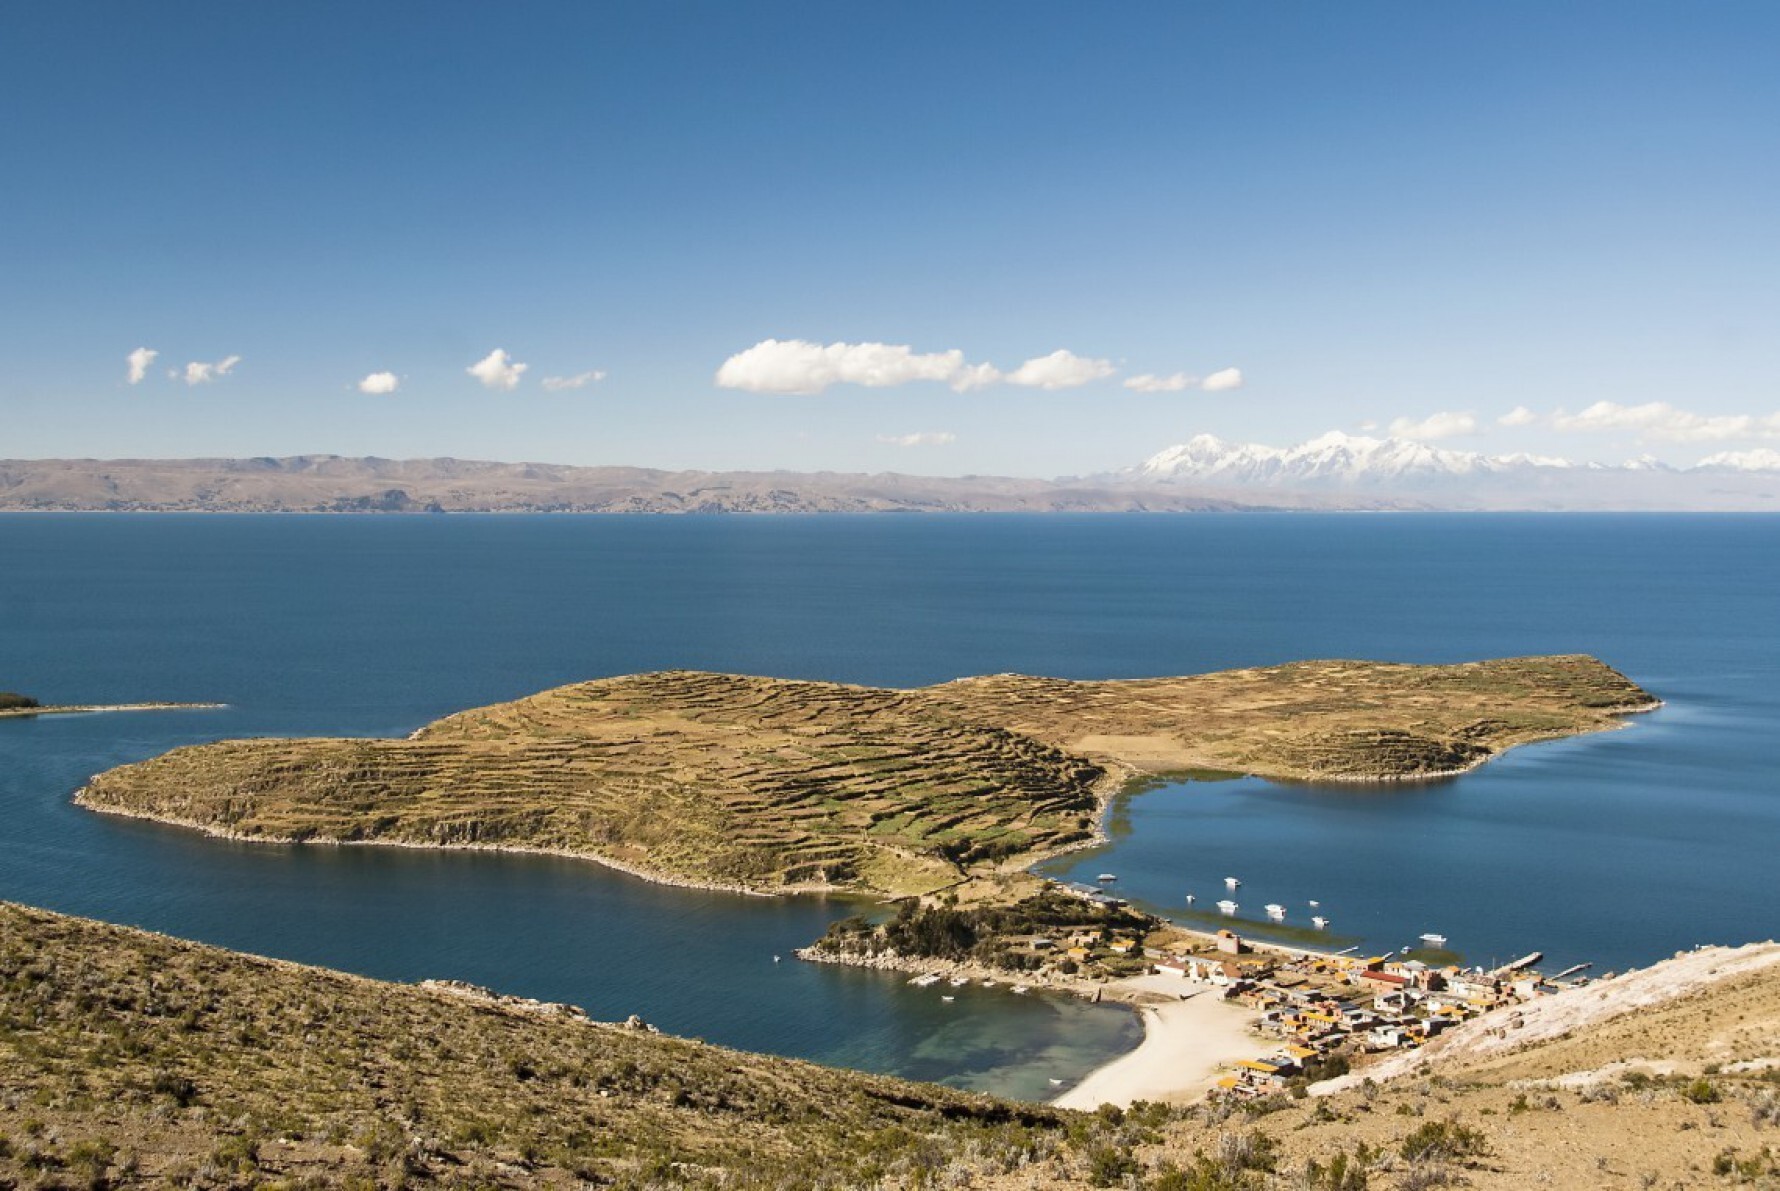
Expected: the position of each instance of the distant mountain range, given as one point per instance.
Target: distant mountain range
(1356, 471)
(332, 484)
(1335, 471)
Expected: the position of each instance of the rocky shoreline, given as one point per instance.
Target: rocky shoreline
(629, 870)
(948, 969)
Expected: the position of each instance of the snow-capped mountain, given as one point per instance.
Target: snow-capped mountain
(1338, 470)
(1331, 459)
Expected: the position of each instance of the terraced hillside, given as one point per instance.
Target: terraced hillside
(1312, 721)
(770, 784)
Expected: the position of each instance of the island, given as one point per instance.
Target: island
(17, 706)
(771, 785)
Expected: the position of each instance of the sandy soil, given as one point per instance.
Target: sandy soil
(1186, 1046)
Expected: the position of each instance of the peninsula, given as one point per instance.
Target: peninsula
(772, 785)
(29, 708)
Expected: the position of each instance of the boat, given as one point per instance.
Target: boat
(960, 981)
(1108, 877)
(1191, 899)
(1056, 1083)
(948, 998)
(1434, 940)
(988, 984)
(1314, 903)
(1231, 882)
(1320, 922)
(1021, 989)
(1227, 907)
(924, 981)
(1275, 911)
(777, 958)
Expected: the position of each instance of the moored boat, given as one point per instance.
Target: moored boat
(1434, 940)
(1228, 907)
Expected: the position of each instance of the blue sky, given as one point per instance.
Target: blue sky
(1406, 214)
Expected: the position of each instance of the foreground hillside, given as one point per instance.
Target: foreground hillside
(129, 1059)
(768, 784)
(132, 1058)
(1668, 1077)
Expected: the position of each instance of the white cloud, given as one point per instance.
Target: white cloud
(556, 384)
(199, 373)
(1760, 459)
(1062, 369)
(796, 366)
(925, 438)
(1660, 420)
(380, 382)
(1222, 380)
(1520, 415)
(497, 370)
(975, 376)
(1440, 425)
(140, 359)
(1150, 383)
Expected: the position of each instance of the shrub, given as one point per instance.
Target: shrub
(1701, 1091)
(1446, 1140)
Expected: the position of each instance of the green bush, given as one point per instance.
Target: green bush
(1443, 1141)
(1701, 1091)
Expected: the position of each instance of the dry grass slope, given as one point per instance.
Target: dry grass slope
(132, 1059)
(129, 1059)
(769, 784)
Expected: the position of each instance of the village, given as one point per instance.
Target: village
(1327, 1011)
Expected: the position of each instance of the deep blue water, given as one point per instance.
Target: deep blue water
(1618, 848)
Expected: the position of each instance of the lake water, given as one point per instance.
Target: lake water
(1618, 848)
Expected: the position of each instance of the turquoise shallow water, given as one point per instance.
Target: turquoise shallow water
(1617, 848)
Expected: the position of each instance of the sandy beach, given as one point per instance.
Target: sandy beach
(1186, 1046)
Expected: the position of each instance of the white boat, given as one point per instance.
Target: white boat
(1056, 1083)
(948, 998)
(1020, 989)
(1434, 940)
(988, 984)
(1320, 922)
(960, 981)
(1191, 899)
(1275, 911)
(1314, 903)
(1231, 882)
(1227, 907)
(1108, 877)
(924, 981)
